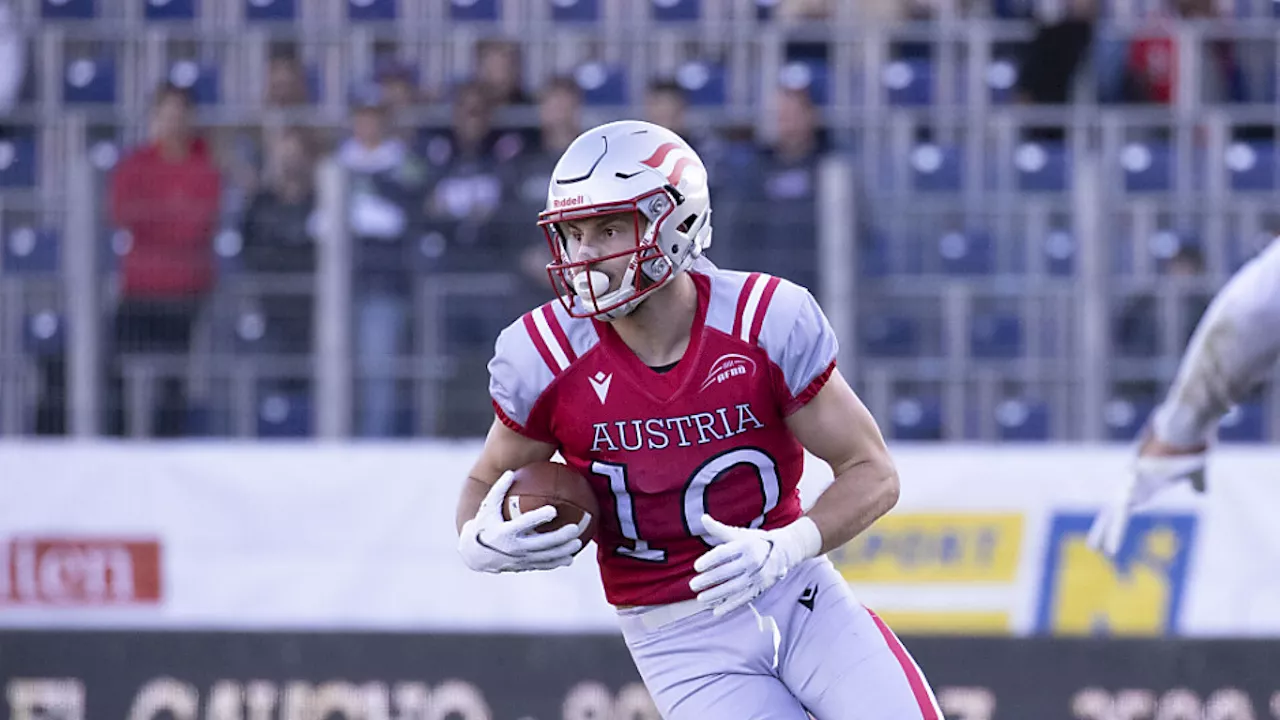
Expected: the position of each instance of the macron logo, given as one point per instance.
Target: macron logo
(600, 383)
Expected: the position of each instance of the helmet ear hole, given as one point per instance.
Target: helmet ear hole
(688, 223)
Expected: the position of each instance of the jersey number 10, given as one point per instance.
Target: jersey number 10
(694, 502)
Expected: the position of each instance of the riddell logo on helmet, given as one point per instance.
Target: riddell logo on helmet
(559, 203)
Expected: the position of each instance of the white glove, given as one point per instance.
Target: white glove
(746, 562)
(488, 543)
(1152, 475)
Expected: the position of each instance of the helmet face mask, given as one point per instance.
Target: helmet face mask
(626, 167)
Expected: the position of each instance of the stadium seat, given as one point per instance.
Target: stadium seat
(372, 10)
(68, 9)
(474, 10)
(909, 82)
(201, 80)
(703, 83)
(1147, 167)
(1252, 166)
(270, 10)
(573, 11)
(676, 10)
(43, 333)
(935, 168)
(284, 415)
(602, 84)
(90, 80)
(1002, 80)
(169, 9)
(27, 250)
(965, 253)
(228, 245)
(18, 160)
(1060, 252)
(1041, 167)
(1124, 417)
(807, 74)
(1022, 419)
(251, 331)
(1244, 423)
(916, 418)
(995, 336)
(891, 336)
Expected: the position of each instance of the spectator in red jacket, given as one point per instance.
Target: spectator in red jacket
(166, 195)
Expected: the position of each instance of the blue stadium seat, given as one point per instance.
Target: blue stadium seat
(430, 252)
(1060, 252)
(250, 332)
(703, 83)
(27, 250)
(169, 9)
(68, 9)
(1022, 419)
(1002, 80)
(227, 247)
(575, 10)
(201, 80)
(371, 10)
(1124, 417)
(90, 80)
(965, 253)
(917, 418)
(909, 82)
(809, 74)
(1245, 423)
(270, 10)
(891, 336)
(1147, 167)
(935, 168)
(602, 84)
(1042, 167)
(676, 10)
(43, 333)
(284, 415)
(1252, 166)
(474, 10)
(18, 160)
(995, 336)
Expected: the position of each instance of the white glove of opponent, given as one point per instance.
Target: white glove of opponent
(1157, 468)
(746, 562)
(488, 543)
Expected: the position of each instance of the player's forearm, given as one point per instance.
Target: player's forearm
(1235, 345)
(473, 493)
(857, 497)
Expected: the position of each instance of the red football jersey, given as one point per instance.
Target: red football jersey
(662, 448)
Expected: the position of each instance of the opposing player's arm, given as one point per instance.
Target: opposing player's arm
(835, 426)
(1234, 346)
(504, 449)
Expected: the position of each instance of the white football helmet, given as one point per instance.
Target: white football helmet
(627, 166)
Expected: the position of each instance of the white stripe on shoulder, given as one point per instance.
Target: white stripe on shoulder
(580, 331)
(517, 372)
(752, 306)
(549, 338)
(726, 287)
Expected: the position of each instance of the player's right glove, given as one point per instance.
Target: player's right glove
(488, 543)
(1153, 473)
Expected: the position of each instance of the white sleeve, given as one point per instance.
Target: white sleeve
(517, 377)
(1235, 345)
(799, 340)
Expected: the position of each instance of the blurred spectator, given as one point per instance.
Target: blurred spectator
(666, 103)
(166, 195)
(386, 180)
(1051, 60)
(286, 89)
(400, 88)
(277, 239)
(286, 80)
(1152, 75)
(559, 123)
(771, 204)
(498, 72)
(805, 9)
(1137, 331)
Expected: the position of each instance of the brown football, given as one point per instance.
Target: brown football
(552, 483)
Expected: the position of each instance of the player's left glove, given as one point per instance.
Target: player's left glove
(746, 562)
(1156, 469)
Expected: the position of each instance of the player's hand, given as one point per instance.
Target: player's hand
(1158, 467)
(746, 562)
(488, 543)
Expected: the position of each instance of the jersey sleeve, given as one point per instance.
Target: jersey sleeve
(518, 376)
(800, 342)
